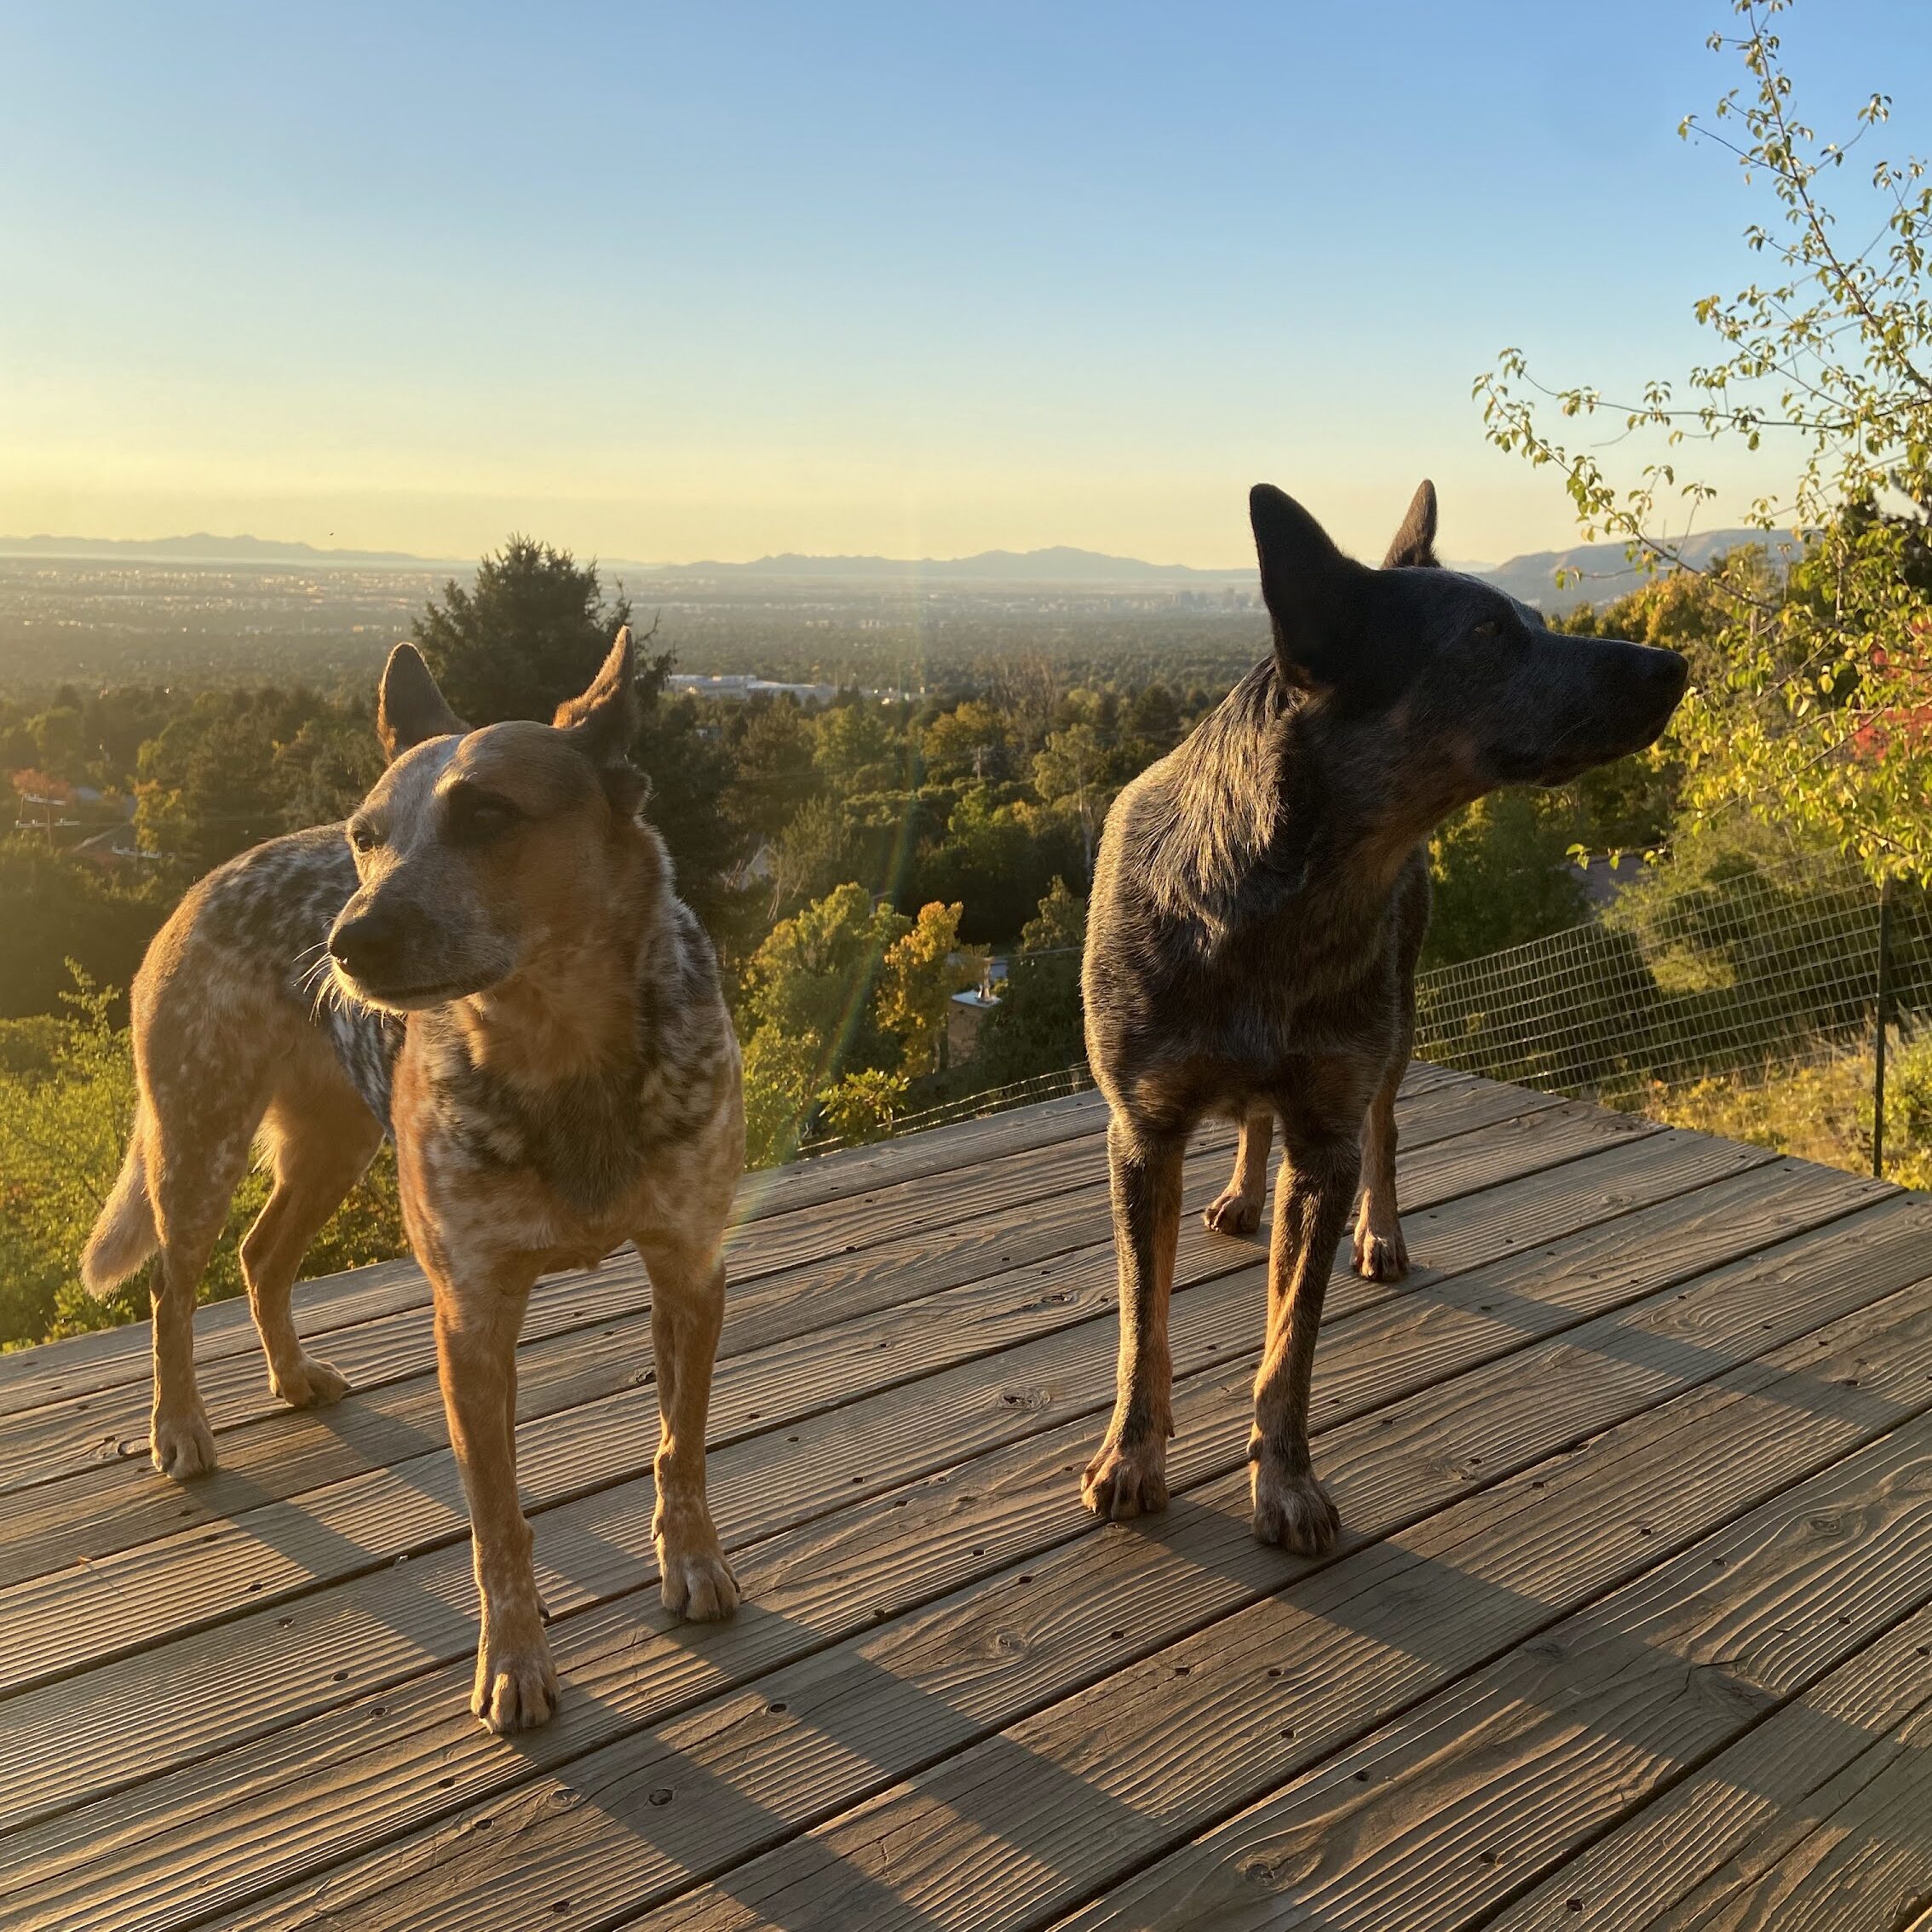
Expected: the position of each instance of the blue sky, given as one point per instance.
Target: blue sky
(719, 280)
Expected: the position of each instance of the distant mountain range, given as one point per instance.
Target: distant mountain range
(1059, 564)
(202, 548)
(1602, 571)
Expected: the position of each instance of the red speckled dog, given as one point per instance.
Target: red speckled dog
(539, 1019)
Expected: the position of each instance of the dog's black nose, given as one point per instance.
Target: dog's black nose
(1671, 672)
(366, 946)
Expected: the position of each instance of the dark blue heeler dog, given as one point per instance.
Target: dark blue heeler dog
(1259, 902)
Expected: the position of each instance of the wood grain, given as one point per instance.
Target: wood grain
(284, 1547)
(1438, 1817)
(1734, 1816)
(952, 1700)
(267, 1669)
(1398, 1467)
(1861, 1862)
(1006, 1826)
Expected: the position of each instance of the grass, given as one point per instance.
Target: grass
(1820, 1111)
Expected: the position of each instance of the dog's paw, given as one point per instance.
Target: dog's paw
(517, 1684)
(1381, 1257)
(183, 1446)
(698, 1584)
(1293, 1510)
(313, 1383)
(1233, 1212)
(1124, 1482)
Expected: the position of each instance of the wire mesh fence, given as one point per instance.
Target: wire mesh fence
(1675, 982)
(1055, 1085)
(1732, 976)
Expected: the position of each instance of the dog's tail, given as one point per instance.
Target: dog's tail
(126, 1234)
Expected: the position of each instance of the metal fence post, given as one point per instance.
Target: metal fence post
(1884, 1019)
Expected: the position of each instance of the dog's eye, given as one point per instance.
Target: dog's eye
(364, 836)
(480, 814)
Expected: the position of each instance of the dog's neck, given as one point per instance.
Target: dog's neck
(1343, 814)
(570, 1010)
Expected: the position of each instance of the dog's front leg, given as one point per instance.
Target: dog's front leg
(1312, 1197)
(686, 1313)
(1129, 1471)
(477, 1324)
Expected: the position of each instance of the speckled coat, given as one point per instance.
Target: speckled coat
(490, 961)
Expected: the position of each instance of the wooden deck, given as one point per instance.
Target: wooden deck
(1630, 1624)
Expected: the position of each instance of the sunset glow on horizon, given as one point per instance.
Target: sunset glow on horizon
(666, 284)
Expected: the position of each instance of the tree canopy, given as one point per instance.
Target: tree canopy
(1815, 702)
(530, 633)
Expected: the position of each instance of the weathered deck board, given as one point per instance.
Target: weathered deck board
(1717, 1830)
(276, 1549)
(392, 1365)
(813, 1586)
(271, 1665)
(1014, 1825)
(951, 1698)
(1861, 1863)
(1436, 1819)
(827, 1733)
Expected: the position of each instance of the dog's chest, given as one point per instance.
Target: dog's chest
(569, 1168)
(1303, 981)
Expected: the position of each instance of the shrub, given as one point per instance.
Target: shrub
(67, 1102)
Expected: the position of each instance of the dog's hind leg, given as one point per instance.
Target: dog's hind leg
(1129, 1472)
(686, 1313)
(1380, 1252)
(320, 1138)
(200, 1165)
(1236, 1208)
(1321, 1164)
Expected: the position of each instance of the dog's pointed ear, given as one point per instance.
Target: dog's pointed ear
(409, 708)
(1314, 593)
(1413, 546)
(603, 721)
